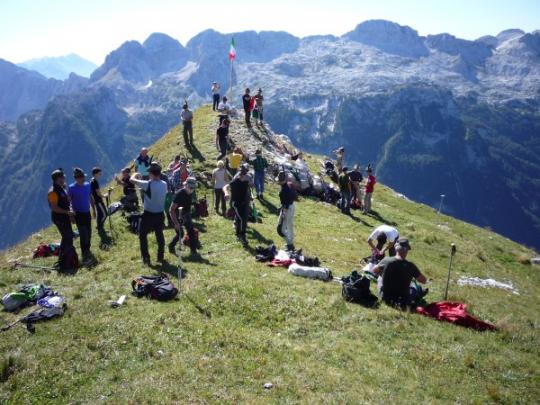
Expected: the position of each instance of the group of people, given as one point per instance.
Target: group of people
(352, 190)
(170, 193)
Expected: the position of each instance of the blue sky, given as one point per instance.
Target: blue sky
(93, 28)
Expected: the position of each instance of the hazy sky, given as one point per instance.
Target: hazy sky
(93, 28)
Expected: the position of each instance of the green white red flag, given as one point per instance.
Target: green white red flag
(232, 51)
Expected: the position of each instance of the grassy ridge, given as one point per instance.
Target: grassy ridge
(238, 324)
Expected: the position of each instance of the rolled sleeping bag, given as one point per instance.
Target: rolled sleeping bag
(320, 273)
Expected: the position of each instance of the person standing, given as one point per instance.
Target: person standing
(370, 187)
(287, 196)
(222, 138)
(235, 161)
(246, 102)
(345, 190)
(187, 124)
(153, 217)
(129, 200)
(180, 213)
(238, 190)
(141, 164)
(356, 179)
(259, 164)
(80, 194)
(340, 158)
(98, 197)
(220, 178)
(258, 110)
(215, 95)
(224, 109)
(61, 213)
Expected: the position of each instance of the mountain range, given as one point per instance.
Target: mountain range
(60, 67)
(434, 115)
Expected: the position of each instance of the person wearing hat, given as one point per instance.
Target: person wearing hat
(80, 194)
(187, 123)
(345, 190)
(180, 212)
(370, 187)
(61, 213)
(239, 193)
(259, 164)
(395, 276)
(220, 178)
(258, 110)
(222, 138)
(215, 94)
(287, 196)
(153, 217)
(248, 105)
(224, 109)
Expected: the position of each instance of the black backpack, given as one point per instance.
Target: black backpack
(355, 288)
(134, 223)
(155, 287)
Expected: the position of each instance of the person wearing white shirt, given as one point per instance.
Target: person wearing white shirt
(215, 95)
(224, 109)
(383, 235)
(187, 120)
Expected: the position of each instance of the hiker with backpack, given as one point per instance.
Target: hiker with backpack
(395, 276)
(355, 177)
(287, 196)
(345, 190)
(180, 213)
(80, 195)
(187, 126)
(61, 213)
(224, 109)
(98, 197)
(239, 193)
(370, 187)
(258, 108)
(248, 105)
(259, 164)
(220, 178)
(222, 138)
(153, 217)
(381, 240)
(215, 95)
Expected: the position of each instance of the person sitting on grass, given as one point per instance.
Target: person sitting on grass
(395, 276)
(180, 212)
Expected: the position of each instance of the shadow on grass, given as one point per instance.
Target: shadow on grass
(196, 154)
(379, 217)
(199, 308)
(271, 208)
(259, 238)
(358, 219)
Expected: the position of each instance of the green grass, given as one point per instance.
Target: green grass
(238, 324)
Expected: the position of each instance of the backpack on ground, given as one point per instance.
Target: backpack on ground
(156, 287)
(201, 208)
(29, 294)
(355, 204)
(134, 223)
(68, 259)
(355, 288)
(44, 250)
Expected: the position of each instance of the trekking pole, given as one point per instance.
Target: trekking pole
(452, 253)
(108, 205)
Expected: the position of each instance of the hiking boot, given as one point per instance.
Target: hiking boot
(172, 250)
(146, 261)
(289, 248)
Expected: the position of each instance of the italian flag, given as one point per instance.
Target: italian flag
(232, 51)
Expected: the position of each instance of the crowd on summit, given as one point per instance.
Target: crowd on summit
(168, 195)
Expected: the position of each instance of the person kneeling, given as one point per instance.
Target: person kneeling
(397, 274)
(180, 212)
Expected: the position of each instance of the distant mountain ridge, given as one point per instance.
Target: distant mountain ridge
(60, 67)
(434, 114)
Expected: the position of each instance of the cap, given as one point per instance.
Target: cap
(244, 169)
(57, 174)
(403, 243)
(78, 173)
(345, 168)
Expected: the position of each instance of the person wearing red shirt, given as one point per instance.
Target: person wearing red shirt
(370, 186)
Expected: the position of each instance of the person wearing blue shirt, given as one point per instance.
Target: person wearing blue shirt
(80, 195)
(153, 218)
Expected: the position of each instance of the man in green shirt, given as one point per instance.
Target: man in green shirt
(345, 189)
(259, 164)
